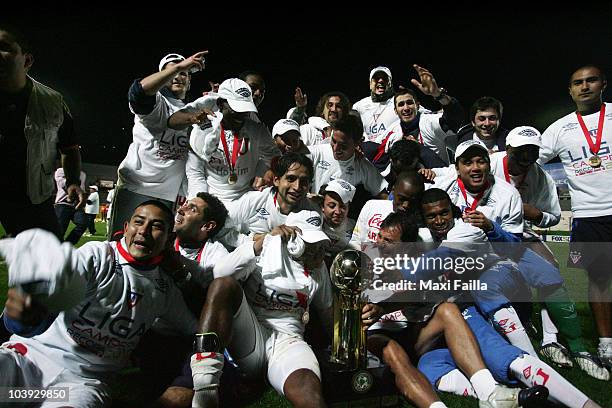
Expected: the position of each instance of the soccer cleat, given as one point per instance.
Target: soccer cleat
(533, 397)
(206, 369)
(591, 365)
(501, 397)
(604, 352)
(558, 354)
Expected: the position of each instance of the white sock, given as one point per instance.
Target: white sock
(549, 329)
(483, 384)
(438, 404)
(510, 325)
(457, 383)
(531, 371)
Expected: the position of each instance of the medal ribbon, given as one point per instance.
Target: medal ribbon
(594, 147)
(235, 150)
(476, 199)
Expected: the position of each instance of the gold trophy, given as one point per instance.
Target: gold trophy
(349, 351)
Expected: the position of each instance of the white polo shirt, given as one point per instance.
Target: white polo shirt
(588, 186)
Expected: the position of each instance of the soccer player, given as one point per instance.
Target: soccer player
(154, 167)
(485, 116)
(508, 363)
(286, 134)
(107, 294)
(232, 148)
(581, 139)
(337, 197)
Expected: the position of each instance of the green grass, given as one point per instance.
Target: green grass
(130, 388)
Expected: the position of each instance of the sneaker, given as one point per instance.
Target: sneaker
(604, 352)
(556, 353)
(501, 397)
(591, 365)
(206, 369)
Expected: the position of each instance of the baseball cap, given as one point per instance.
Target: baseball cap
(344, 189)
(380, 69)
(283, 126)
(524, 135)
(238, 94)
(311, 224)
(318, 122)
(94, 187)
(170, 58)
(463, 147)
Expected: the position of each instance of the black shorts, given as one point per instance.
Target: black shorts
(591, 245)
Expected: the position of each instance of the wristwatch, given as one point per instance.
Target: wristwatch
(442, 95)
(206, 342)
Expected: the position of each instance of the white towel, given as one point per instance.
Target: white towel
(278, 268)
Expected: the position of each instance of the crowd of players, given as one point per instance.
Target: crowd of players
(224, 230)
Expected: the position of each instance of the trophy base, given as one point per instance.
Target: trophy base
(371, 387)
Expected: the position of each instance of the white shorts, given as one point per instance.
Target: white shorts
(256, 348)
(34, 369)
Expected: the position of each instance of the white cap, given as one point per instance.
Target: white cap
(524, 135)
(311, 224)
(318, 122)
(344, 189)
(468, 144)
(94, 187)
(238, 94)
(170, 58)
(380, 69)
(283, 126)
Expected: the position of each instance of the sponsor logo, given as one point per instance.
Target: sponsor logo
(344, 185)
(204, 356)
(527, 133)
(316, 221)
(244, 92)
(324, 165)
(527, 372)
(262, 212)
(375, 221)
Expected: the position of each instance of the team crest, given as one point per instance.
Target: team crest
(134, 299)
(362, 382)
(575, 257)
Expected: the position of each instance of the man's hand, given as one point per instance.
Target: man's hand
(531, 213)
(428, 84)
(370, 314)
(75, 194)
(172, 264)
(21, 307)
(478, 219)
(194, 63)
(286, 232)
(428, 174)
(301, 99)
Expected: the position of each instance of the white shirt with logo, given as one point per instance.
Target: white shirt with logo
(500, 203)
(588, 185)
(377, 117)
(536, 188)
(354, 170)
(122, 301)
(155, 161)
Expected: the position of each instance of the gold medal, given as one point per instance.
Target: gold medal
(306, 317)
(595, 161)
(232, 178)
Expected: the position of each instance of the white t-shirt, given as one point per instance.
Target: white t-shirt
(536, 188)
(255, 212)
(256, 150)
(155, 161)
(121, 303)
(94, 207)
(355, 171)
(282, 310)
(312, 133)
(500, 203)
(587, 185)
(430, 135)
(377, 117)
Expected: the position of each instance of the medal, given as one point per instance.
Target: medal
(306, 317)
(232, 178)
(595, 160)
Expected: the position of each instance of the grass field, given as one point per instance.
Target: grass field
(130, 388)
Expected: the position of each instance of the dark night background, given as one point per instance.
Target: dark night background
(523, 58)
